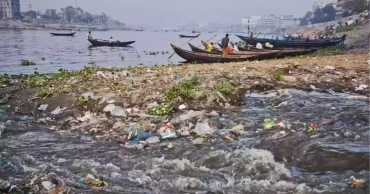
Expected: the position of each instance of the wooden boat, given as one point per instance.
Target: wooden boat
(292, 43)
(107, 43)
(189, 36)
(63, 34)
(216, 58)
(219, 51)
(284, 53)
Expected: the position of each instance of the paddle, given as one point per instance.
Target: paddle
(208, 40)
(181, 46)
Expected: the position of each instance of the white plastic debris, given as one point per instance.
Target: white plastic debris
(313, 87)
(203, 128)
(118, 112)
(43, 107)
(361, 87)
(152, 105)
(330, 67)
(58, 110)
(182, 107)
(109, 108)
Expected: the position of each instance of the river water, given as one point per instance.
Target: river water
(250, 165)
(74, 53)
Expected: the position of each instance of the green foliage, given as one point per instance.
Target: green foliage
(43, 58)
(163, 109)
(186, 88)
(81, 101)
(45, 92)
(325, 14)
(269, 123)
(27, 63)
(4, 79)
(225, 88)
(278, 74)
(329, 51)
(346, 28)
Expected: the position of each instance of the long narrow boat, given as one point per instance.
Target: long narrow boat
(107, 43)
(215, 58)
(292, 43)
(189, 36)
(284, 53)
(218, 51)
(63, 34)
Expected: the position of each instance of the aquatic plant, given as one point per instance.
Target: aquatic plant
(225, 88)
(333, 50)
(43, 58)
(186, 89)
(278, 74)
(81, 101)
(27, 63)
(45, 92)
(163, 109)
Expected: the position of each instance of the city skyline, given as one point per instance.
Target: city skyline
(175, 13)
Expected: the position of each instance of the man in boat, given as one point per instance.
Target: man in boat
(111, 40)
(89, 37)
(225, 44)
(235, 48)
(210, 47)
(259, 46)
(251, 36)
(268, 45)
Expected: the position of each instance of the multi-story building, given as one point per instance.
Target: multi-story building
(10, 9)
(319, 4)
(339, 8)
(252, 21)
(51, 13)
(267, 21)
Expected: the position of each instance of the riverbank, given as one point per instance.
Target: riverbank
(197, 86)
(214, 104)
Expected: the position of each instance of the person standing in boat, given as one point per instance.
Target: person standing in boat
(225, 44)
(89, 37)
(210, 47)
(111, 40)
(235, 48)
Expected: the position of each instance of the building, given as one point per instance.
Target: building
(51, 13)
(287, 21)
(10, 9)
(319, 4)
(267, 21)
(252, 21)
(339, 8)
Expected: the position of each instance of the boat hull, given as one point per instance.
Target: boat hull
(63, 34)
(292, 43)
(188, 36)
(216, 58)
(113, 44)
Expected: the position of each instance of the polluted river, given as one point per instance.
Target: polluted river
(273, 160)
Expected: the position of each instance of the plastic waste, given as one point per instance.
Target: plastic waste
(153, 140)
(177, 77)
(198, 141)
(139, 134)
(311, 128)
(118, 112)
(109, 108)
(229, 138)
(171, 135)
(58, 110)
(90, 180)
(203, 128)
(330, 67)
(43, 107)
(269, 123)
(152, 105)
(361, 87)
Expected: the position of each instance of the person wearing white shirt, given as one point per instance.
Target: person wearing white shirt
(235, 47)
(268, 45)
(259, 46)
(111, 40)
(89, 37)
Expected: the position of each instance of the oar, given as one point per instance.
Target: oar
(208, 40)
(181, 46)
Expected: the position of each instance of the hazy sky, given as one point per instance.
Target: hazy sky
(175, 13)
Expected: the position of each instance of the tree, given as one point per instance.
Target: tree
(304, 21)
(356, 6)
(325, 14)
(346, 13)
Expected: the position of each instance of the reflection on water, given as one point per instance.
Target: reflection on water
(73, 53)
